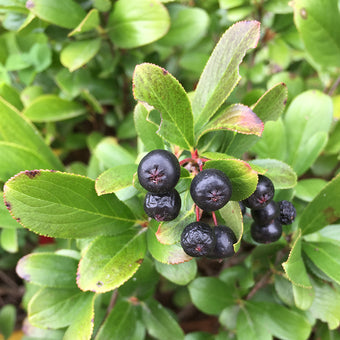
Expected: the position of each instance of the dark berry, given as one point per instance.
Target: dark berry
(242, 207)
(162, 207)
(262, 195)
(197, 239)
(266, 214)
(266, 233)
(210, 189)
(159, 171)
(287, 212)
(225, 238)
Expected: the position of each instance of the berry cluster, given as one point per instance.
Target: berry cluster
(158, 172)
(268, 215)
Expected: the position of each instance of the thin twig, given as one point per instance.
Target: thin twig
(334, 86)
(260, 284)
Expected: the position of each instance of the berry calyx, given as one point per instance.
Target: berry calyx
(162, 207)
(262, 195)
(266, 233)
(159, 171)
(287, 212)
(198, 239)
(225, 238)
(210, 189)
(266, 214)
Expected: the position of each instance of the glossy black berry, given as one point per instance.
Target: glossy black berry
(262, 195)
(198, 239)
(287, 212)
(210, 189)
(225, 238)
(162, 207)
(266, 233)
(159, 171)
(242, 207)
(266, 214)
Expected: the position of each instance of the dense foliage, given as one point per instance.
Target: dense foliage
(88, 88)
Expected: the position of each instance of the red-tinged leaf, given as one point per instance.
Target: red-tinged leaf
(238, 118)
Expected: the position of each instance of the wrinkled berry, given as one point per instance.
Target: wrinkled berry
(266, 233)
(287, 212)
(266, 214)
(210, 189)
(159, 171)
(262, 195)
(225, 238)
(197, 239)
(162, 207)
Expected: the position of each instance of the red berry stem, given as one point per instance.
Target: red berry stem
(185, 160)
(197, 213)
(214, 218)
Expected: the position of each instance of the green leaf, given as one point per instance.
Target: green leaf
(78, 53)
(317, 23)
(78, 212)
(11, 95)
(48, 270)
(188, 26)
(323, 210)
(146, 129)
(110, 261)
(14, 128)
(273, 142)
(271, 104)
(9, 240)
(15, 158)
(82, 325)
(295, 267)
(110, 153)
(284, 290)
(326, 256)
(90, 22)
(243, 178)
(65, 13)
(210, 295)
(308, 189)
(326, 304)
(269, 107)
(303, 297)
(170, 232)
(7, 320)
(171, 254)
(249, 326)
(159, 322)
(132, 23)
(280, 321)
(116, 178)
(51, 108)
(119, 324)
(232, 216)
(306, 131)
(281, 174)
(157, 87)
(221, 75)
(180, 274)
(57, 308)
(238, 118)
